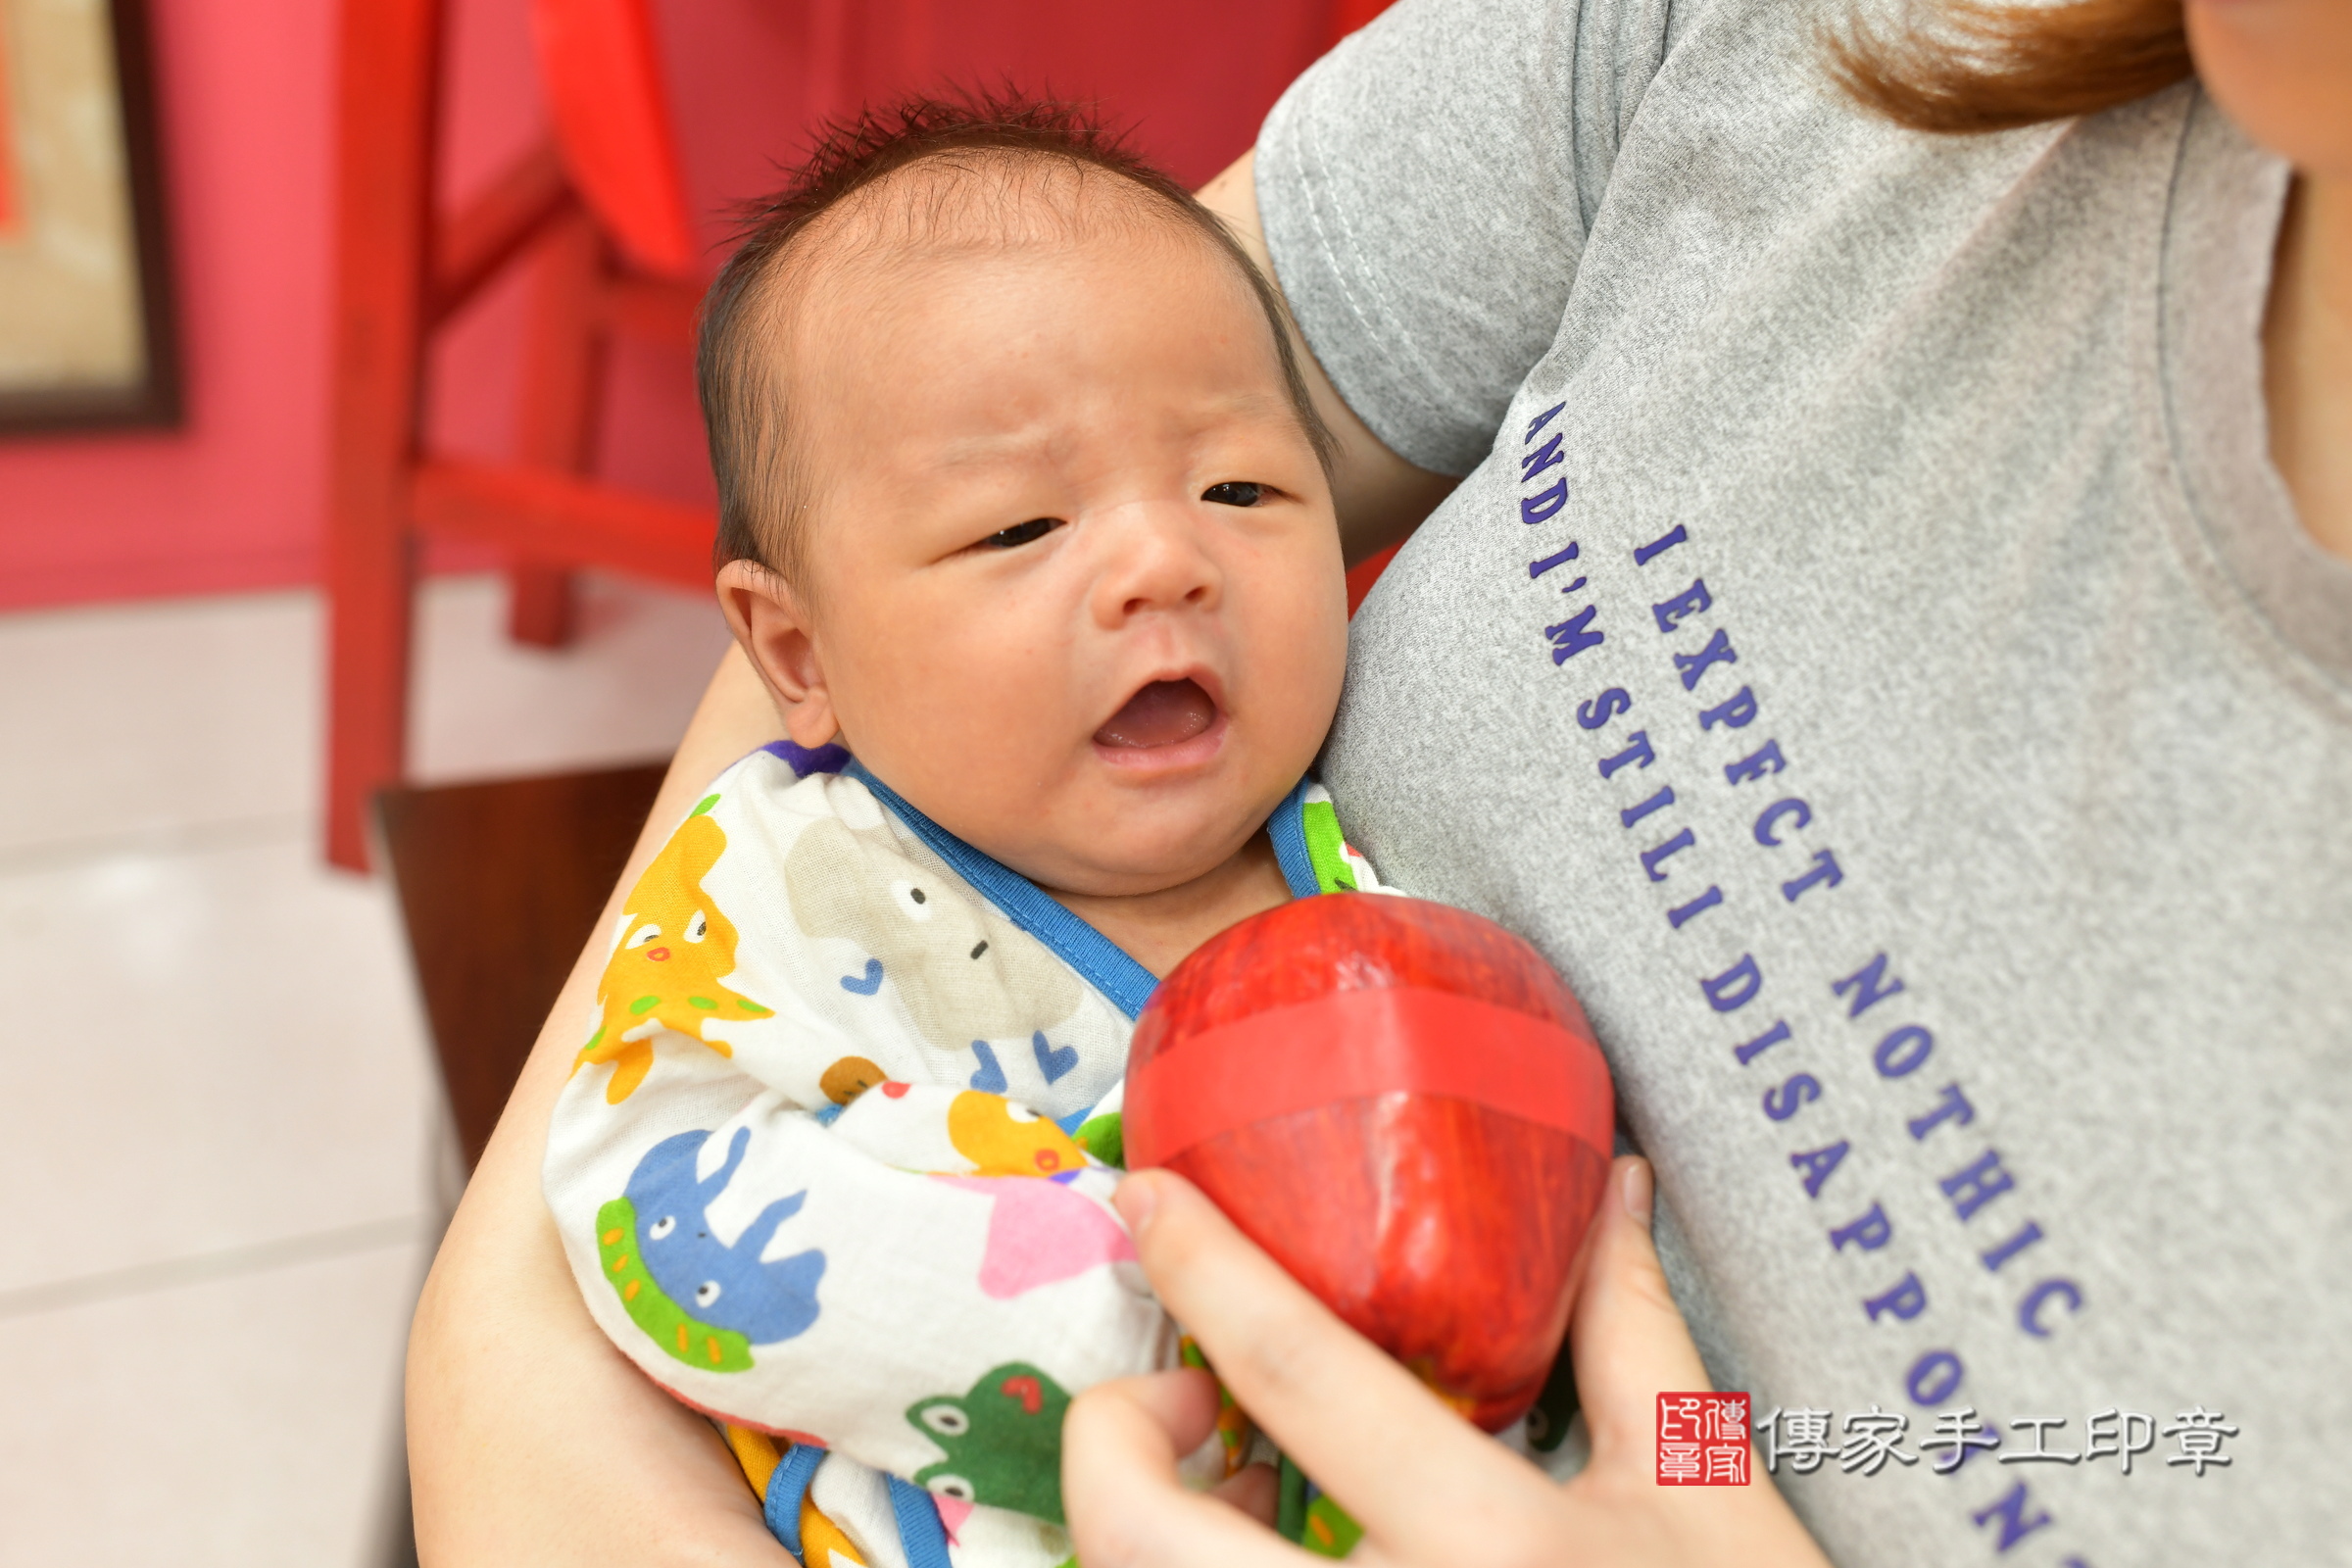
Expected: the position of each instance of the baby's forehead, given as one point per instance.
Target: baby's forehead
(979, 199)
(910, 254)
(874, 262)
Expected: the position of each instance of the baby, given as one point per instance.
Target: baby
(1025, 521)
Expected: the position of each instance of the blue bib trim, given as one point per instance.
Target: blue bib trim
(921, 1535)
(1287, 827)
(787, 1485)
(1104, 963)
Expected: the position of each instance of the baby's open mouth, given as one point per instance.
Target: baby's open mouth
(1162, 714)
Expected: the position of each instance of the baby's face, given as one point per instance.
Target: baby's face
(1076, 579)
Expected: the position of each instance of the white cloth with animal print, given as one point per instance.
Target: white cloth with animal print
(820, 1169)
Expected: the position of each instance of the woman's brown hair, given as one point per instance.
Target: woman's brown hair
(1981, 64)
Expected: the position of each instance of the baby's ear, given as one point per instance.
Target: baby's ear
(767, 621)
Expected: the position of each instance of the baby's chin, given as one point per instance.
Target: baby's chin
(1071, 877)
(1139, 842)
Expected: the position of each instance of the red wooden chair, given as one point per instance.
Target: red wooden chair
(599, 215)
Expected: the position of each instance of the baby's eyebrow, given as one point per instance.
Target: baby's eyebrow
(975, 450)
(1035, 442)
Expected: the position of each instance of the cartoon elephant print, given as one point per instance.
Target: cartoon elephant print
(701, 1300)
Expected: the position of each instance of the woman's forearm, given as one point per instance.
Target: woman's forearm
(530, 1438)
(1381, 497)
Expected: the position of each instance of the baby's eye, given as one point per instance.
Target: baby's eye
(1234, 493)
(1020, 533)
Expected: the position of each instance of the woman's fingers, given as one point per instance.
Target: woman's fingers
(1254, 1490)
(1127, 1508)
(1350, 1417)
(1426, 1486)
(1631, 1346)
(1628, 1338)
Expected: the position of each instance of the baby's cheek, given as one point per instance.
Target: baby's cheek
(1300, 653)
(973, 730)
(963, 696)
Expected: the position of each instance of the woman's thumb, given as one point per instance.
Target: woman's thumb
(1626, 1336)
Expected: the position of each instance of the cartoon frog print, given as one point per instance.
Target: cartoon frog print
(1337, 865)
(1003, 1441)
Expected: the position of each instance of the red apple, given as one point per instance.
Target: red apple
(1403, 1106)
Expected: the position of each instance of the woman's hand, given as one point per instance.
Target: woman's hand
(1427, 1487)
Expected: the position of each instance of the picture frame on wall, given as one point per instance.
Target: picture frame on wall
(87, 332)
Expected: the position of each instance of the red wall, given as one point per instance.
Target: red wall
(234, 499)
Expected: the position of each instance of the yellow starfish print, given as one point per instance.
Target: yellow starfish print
(665, 974)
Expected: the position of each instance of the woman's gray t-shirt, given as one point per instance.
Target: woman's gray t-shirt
(1873, 656)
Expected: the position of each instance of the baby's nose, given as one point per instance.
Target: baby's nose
(1159, 562)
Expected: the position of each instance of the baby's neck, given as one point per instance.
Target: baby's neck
(1159, 929)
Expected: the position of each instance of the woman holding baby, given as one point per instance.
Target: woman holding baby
(1882, 627)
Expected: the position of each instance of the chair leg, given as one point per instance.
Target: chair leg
(542, 605)
(390, 64)
(370, 581)
(561, 366)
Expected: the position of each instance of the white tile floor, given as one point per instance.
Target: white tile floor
(220, 1101)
